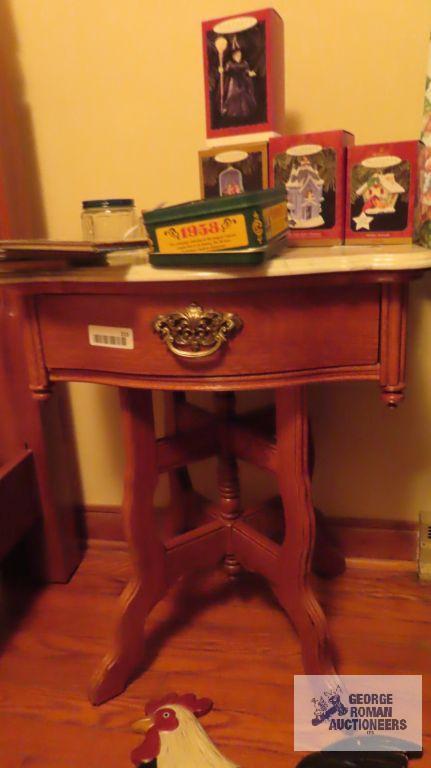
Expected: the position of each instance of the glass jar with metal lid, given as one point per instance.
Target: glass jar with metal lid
(111, 220)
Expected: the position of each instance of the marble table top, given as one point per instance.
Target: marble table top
(290, 262)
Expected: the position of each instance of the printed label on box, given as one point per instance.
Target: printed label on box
(275, 218)
(356, 713)
(110, 336)
(203, 236)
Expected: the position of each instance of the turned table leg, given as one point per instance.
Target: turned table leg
(149, 582)
(227, 476)
(292, 586)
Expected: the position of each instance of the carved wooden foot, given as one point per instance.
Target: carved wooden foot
(292, 587)
(127, 656)
(148, 553)
(310, 624)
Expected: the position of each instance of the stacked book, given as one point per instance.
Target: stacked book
(17, 256)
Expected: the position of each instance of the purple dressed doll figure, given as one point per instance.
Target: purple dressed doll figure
(239, 97)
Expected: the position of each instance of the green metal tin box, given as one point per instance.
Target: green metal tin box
(226, 230)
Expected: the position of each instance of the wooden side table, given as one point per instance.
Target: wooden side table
(311, 315)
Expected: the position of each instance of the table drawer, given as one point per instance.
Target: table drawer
(291, 329)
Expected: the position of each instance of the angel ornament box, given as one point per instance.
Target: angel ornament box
(244, 74)
(232, 170)
(382, 192)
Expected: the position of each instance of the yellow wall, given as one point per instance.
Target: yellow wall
(114, 90)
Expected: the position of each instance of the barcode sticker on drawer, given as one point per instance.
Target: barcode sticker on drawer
(110, 336)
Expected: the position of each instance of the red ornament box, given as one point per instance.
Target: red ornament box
(244, 74)
(382, 192)
(312, 166)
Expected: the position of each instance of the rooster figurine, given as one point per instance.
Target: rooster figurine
(173, 736)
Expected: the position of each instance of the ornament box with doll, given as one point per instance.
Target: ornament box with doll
(244, 74)
(310, 168)
(233, 169)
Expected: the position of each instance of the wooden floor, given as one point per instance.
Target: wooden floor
(230, 643)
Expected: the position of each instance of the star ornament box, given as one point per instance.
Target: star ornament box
(311, 169)
(382, 192)
(244, 74)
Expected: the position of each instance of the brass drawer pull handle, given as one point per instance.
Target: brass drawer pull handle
(195, 332)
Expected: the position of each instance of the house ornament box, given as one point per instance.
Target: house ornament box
(244, 74)
(382, 192)
(311, 169)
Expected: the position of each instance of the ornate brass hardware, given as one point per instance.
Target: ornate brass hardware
(195, 332)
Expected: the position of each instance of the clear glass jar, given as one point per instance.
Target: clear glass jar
(111, 220)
